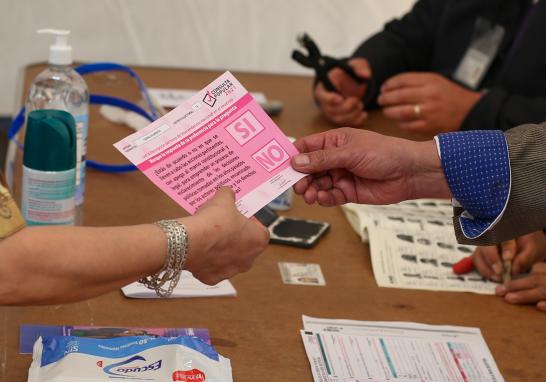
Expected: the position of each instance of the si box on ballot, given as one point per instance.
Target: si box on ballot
(219, 137)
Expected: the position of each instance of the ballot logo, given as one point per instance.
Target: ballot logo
(131, 366)
(209, 99)
(271, 156)
(193, 375)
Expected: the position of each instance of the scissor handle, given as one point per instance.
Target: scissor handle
(302, 59)
(322, 64)
(309, 44)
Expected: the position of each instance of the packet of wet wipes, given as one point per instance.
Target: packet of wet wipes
(142, 358)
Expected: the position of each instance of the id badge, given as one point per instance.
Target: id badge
(11, 220)
(483, 49)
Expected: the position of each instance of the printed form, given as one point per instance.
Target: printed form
(413, 246)
(358, 351)
(218, 137)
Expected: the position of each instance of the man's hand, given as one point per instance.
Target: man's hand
(527, 290)
(345, 108)
(426, 102)
(350, 165)
(223, 242)
(523, 252)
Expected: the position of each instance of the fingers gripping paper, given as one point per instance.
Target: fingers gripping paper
(219, 137)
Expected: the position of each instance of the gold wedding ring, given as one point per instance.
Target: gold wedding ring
(417, 110)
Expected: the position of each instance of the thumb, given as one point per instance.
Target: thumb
(320, 160)
(363, 72)
(224, 195)
(361, 68)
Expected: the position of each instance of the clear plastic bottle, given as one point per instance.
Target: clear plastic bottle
(60, 87)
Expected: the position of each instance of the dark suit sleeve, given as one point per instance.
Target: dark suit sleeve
(404, 44)
(500, 110)
(526, 208)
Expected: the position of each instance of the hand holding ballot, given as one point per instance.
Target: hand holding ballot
(350, 165)
(227, 241)
(485, 172)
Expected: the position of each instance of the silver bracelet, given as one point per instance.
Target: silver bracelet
(177, 250)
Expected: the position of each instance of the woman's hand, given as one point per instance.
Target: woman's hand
(222, 242)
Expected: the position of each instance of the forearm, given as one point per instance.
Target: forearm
(61, 264)
(53, 264)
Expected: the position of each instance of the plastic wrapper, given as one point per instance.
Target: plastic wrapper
(165, 359)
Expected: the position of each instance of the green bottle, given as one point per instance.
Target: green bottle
(49, 168)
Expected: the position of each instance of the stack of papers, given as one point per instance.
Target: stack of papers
(413, 246)
(188, 286)
(358, 351)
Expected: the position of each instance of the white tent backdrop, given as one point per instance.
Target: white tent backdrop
(251, 35)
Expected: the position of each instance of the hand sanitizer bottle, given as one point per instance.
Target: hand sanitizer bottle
(60, 87)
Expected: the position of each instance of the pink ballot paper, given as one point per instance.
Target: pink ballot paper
(219, 137)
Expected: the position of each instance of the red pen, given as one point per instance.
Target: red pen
(463, 266)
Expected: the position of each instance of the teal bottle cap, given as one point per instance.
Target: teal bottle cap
(50, 141)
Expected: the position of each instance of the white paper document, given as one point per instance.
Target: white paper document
(187, 287)
(413, 246)
(358, 351)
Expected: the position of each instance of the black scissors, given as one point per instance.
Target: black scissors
(322, 64)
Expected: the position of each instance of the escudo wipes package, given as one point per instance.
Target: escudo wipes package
(177, 359)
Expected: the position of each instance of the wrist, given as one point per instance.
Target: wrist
(429, 180)
(199, 241)
(165, 280)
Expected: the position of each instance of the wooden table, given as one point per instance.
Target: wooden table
(259, 329)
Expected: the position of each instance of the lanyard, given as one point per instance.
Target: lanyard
(99, 99)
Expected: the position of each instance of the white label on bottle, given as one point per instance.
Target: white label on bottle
(81, 152)
(48, 197)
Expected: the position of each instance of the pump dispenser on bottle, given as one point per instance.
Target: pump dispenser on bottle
(60, 53)
(49, 168)
(60, 87)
